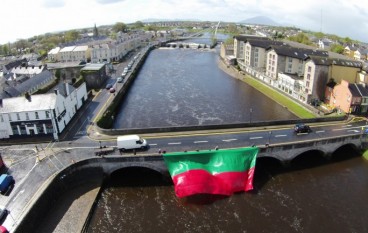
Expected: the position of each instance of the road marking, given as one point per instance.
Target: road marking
(255, 138)
(357, 127)
(353, 130)
(321, 131)
(15, 198)
(153, 144)
(229, 140)
(280, 135)
(200, 141)
(174, 143)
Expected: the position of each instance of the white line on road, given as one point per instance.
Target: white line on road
(320, 131)
(174, 143)
(153, 144)
(15, 198)
(354, 130)
(200, 141)
(229, 140)
(280, 135)
(255, 138)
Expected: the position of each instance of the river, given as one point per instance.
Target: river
(184, 87)
(312, 195)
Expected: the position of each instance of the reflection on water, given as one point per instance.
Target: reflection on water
(319, 196)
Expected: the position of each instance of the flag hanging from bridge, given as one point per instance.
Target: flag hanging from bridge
(221, 172)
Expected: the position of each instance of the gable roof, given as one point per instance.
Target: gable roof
(264, 43)
(247, 37)
(358, 90)
(299, 53)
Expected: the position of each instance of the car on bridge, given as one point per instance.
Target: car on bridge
(302, 128)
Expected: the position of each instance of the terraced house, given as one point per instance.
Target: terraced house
(301, 73)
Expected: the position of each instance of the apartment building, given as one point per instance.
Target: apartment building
(255, 53)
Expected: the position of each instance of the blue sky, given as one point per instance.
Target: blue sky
(22, 19)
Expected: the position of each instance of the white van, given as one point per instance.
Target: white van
(129, 142)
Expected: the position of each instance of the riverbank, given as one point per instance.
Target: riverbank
(281, 99)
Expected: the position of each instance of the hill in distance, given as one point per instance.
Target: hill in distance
(260, 20)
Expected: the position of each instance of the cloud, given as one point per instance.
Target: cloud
(108, 1)
(53, 3)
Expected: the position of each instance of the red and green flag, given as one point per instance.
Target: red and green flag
(221, 172)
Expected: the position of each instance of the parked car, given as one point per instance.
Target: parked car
(120, 80)
(3, 229)
(108, 86)
(302, 128)
(6, 183)
(3, 213)
(112, 90)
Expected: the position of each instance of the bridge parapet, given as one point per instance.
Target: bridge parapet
(285, 152)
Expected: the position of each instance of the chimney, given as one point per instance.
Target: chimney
(67, 88)
(56, 91)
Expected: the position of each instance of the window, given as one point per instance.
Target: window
(1, 118)
(36, 115)
(47, 114)
(309, 69)
(18, 117)
(9, 115)
(27, 116)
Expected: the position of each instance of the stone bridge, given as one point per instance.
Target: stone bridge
(284, 153)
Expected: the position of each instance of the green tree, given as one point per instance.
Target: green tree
(5, 49)
(71, 35)
(138, 24)
(336, 48)
(119, 27)
(319, 35)
(301, 38)
(347, 40)
(232, 29)
(151, 28)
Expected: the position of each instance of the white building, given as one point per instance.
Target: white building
(53, 55)
(66, 54)
(41, 115)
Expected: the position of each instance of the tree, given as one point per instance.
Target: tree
(71, 36)
(337, 48)
(138, 24)
(319, 35)
(119, 27)
(347, 40)
(5, 49)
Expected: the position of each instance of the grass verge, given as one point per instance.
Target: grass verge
(293, 107)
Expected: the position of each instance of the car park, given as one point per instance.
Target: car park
(302, 128)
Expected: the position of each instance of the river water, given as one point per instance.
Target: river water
(312, 195)
(183, 87)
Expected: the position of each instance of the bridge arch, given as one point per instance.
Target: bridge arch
(345, 151)
(309, 158)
